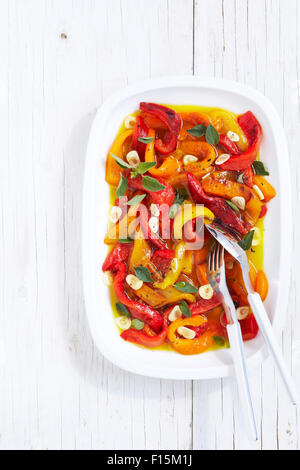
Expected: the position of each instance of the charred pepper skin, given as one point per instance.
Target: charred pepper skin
(217, 205)
(253, 131)
(172, 121)
(143, 312)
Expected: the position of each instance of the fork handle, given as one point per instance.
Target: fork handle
(266, 328)
(237, 352)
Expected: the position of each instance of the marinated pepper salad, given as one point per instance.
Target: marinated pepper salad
(172, 170)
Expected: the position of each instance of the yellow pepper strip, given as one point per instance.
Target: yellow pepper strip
(189, 211)
(226, 121)
(172, 296)
(113, 171)
(253, 209)
(123, 228)
(141, 253)
(175, 268)
(188, 262)
(190, 346)
(170, 166)
(151, 296)
(266, 188)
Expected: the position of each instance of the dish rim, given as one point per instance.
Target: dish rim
(285, 203)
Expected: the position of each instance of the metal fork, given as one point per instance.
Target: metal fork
(217, 279)
(229, 242)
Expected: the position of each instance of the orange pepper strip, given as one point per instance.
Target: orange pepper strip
(253, 209)
(191, 119)
(200, 256)
(202, 273)
(151, 296)
(201, 150)
(170, 165)
(252, 273)
(113, 171)
(261, 284)
(226, 189)
(266, 188)
(189, 346)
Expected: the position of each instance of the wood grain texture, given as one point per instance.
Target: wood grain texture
(59, 60)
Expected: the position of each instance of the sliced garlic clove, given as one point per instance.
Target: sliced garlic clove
(259, 192)
(175, 314)
(233, 136)
(154, 224)
(115, 214)
(154, 209)
(123, 322)
(187, 333)
(222, 158)
(242, 312)
(134, 282)
(256, 237)
(129, 122)
(133, 158)
(239, 201)
(187, 159)
(108, 278)
(206, 292)
(205, 176)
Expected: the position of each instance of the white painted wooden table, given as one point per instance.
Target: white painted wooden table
(59, 60)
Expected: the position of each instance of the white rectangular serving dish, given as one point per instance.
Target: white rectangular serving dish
(278, 229)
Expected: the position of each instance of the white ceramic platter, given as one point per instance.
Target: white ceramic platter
(204, 92)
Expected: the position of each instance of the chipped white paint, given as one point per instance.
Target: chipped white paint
(59, 61)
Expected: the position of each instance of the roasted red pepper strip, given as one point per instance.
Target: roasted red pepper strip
(228, 145)
(164, 253)
(135, 336)
(140, 130)
(263, 211)
(249, 327)
(165, 196)
(173, 122)
(141, 311)
(117, 255)
(203, 305)
(148, 234)
(253, 131)
(217, 205)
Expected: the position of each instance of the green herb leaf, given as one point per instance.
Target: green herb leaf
(151, 184)
(197, 131)
(145, 140)
(122, 188)
(121, 162)
(259, 168)
(212, 135)
(145, 166)
(233, 206)
(137, 324)
(122, 309)
(240, 178)
(185, 308)
(219, 340)
(136, 200)
(125, 240)
(246, 242)
(180, 197)
(143, 274)
(185, 287)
